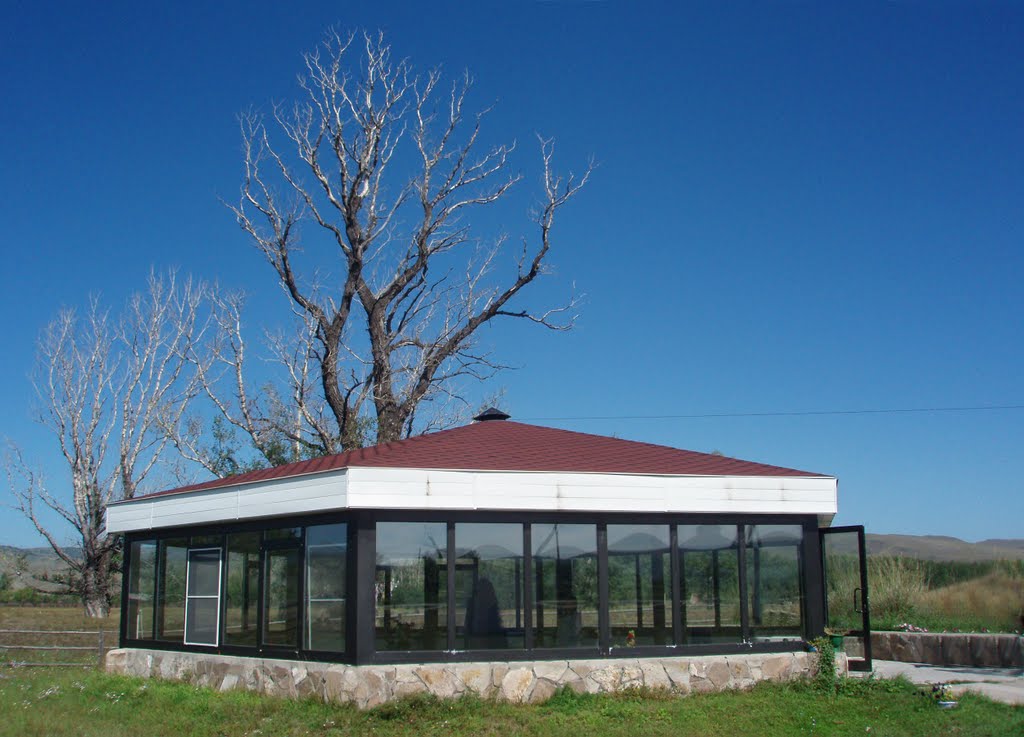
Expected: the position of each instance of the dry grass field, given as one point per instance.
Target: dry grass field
(946, 596)
(31, 623)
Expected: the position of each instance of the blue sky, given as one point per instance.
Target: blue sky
(798, 207)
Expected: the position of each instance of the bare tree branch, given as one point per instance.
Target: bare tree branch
(392, 332)
(112, 392)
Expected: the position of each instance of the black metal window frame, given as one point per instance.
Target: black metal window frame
(361, 575)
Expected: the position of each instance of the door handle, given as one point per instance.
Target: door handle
(856, 608)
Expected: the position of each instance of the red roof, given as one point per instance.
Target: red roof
(514, 446)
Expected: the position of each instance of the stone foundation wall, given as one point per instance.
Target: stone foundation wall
(941, 648)
(517, 682)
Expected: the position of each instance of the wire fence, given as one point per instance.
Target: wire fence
(45, 648)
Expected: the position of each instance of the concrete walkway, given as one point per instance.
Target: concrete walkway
(999, 684)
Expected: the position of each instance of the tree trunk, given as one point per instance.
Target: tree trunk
(96, 607)
(96, 587)
(390, 421)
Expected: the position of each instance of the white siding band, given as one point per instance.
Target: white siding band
(426, 489)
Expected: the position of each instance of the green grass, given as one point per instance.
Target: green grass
(37, 702)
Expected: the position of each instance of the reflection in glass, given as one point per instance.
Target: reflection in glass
(172, 564)
(202, 603)
(141, 589)
(775, 581)
(489, 580)
(565, 585)
(709, 583)
(842, 581)
(284, 534)
(205, 541)
(281, 597)
(639, 592)
(326, 550)
(411, 586)
(243, 589)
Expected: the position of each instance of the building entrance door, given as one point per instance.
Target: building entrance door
(847, 611)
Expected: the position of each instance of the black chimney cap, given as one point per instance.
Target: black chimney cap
(491, 414)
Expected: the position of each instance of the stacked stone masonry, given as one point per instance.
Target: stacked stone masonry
(516, 682)
(947, 648)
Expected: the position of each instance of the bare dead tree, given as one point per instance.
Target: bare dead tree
(109, 388)
(395, 325)
(284, 421)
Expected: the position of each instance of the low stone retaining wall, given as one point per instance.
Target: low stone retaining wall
(942, 648)
(518, 682)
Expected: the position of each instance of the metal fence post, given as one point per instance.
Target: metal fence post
(102, 651)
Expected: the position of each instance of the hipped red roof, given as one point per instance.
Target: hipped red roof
(514, 446)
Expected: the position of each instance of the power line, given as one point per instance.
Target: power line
(806, 413)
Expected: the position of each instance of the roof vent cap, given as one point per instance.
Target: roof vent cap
(491, 413)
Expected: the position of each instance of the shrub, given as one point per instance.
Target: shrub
(896, 586)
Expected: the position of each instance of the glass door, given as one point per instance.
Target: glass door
(847, 614)
(202, 601)
(281, 597)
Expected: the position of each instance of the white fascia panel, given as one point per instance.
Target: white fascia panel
(322, 492)
(390, 488)
(378, 488)
(126, 517)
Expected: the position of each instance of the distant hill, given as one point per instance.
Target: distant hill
(1015, 544)
(939, 547)
(31, 565)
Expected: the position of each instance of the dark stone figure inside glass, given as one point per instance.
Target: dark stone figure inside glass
(484, 629)
(565, 581)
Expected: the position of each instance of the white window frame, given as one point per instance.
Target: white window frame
(189, 597)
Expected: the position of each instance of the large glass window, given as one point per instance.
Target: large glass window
(709, 583)
(565, 585)
(639, 585)
(326, 553)
(139, 618)
(172, 568)
(243, 589)
(202, 604)
(281, 597)
(489, 581)
(775, 581)
(411, 586)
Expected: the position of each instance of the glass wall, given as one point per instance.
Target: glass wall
(326, 560)
(489, 583)
(565, 586)
(639, 585)
(243, 589)
(775, 581)
(709, 583)
(411, 586)
(139, 612)
(174, 589)
(287, 587)
(171, 574)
